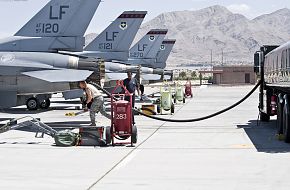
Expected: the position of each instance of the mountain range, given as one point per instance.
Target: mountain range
(217, 34)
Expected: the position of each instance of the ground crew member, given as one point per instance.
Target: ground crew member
(131, 85)
(142, 89)
(94, 101)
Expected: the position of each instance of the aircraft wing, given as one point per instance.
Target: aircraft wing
(62, 75)
(151, 77)
(25, 64)
(154, 77)
(121, 62)
(116, 76)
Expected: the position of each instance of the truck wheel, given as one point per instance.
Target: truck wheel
(108, 135)
(158, 109)
(45, 104)
(280, 119)
(286, 116)
(172, 108)
(134, 135)
(32, 104)
(264, 117)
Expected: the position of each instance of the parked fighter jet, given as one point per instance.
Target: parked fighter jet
(145, 50)
(114, 42)
(157, 65)
(163, 54)
(29, 61)
(160, 62)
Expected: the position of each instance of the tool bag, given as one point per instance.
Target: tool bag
(66, 138)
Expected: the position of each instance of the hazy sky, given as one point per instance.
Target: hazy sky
(15, 13)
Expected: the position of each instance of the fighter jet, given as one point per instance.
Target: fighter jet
(30, 65)
(163, 53)
(113, 46)
(160, 62)
(155, 72)
(114, 42)
(144, 50)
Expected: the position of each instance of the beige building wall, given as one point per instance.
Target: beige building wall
(234, 75)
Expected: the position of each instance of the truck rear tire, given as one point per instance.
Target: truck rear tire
(280, 118)
(158, 109)
(264, 117)
(286, 128)
(172, 109)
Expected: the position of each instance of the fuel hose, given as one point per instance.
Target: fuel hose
(196, 119)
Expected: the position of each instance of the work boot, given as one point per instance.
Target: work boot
(93, 124)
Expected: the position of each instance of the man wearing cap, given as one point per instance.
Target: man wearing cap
(94, 101)
(132, 86)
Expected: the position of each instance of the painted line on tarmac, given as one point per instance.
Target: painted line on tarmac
(127, 157)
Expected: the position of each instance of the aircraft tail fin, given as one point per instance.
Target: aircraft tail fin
(118, 36)
(65, 18)
(149, 45)
(164, 52)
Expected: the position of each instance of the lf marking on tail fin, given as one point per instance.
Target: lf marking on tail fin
(119, 36)
(149, 45)
(61, 18)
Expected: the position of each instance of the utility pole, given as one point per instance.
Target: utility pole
(211, 56)
(222, 57)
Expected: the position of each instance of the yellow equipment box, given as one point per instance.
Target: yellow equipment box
(148, 109)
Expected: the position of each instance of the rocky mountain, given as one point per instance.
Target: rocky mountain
(89, 38)
(217, 31)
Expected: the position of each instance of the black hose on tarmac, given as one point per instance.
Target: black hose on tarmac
(197, 119)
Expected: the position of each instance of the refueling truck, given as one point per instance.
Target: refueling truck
(272, 65)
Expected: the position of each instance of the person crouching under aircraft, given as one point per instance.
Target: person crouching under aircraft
(94, 101)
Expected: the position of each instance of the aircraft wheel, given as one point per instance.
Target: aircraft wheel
(32, 104)
(45, 104)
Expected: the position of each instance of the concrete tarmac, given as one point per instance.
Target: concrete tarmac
(229, 152)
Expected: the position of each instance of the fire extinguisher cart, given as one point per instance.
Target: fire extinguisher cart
(188, 90)
(166, 102)
(122, 127)
(179, 93)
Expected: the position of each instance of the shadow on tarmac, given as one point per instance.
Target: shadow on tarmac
(26, 111)
(68, 125)
(264, 138)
